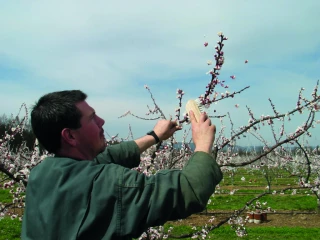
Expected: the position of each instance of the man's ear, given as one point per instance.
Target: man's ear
(68, 136)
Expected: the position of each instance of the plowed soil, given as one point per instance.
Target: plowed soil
(278, 219)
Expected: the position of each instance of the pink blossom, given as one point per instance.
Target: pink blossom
(180, 91)
(205, 44)
(233, 77)
(211, 219)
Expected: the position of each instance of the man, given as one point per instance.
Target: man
(88, 191)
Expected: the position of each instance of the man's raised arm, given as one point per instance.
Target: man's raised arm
(127, 154)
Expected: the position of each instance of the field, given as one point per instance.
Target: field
(293, 216)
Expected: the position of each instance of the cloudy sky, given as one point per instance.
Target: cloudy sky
(111, 49)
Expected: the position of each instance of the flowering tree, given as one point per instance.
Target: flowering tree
(15, 167)
(275, 153)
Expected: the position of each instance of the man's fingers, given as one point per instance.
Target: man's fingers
(178, 127)
(192, 117)
(203, 117)
(175, 125)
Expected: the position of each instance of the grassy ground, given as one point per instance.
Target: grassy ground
(10, 229)
(276, 202)
(5, 196)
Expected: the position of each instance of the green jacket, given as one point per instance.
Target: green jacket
(104, 199)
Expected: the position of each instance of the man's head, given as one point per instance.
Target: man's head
(66, 125)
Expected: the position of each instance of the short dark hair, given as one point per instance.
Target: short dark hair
(54, 112)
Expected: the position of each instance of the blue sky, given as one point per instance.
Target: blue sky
(111, 49)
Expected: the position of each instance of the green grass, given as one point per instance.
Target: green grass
(10, 229)
(5, 196)
(276, 202)
(263, 233)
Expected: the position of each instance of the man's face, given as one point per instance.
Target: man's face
(90, 138)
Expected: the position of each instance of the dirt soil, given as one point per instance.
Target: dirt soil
(278, 219)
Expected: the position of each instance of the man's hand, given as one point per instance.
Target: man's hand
(165, 129)
(203, 132)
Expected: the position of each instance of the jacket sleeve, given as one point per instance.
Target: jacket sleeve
(126, 154)
(168, 195)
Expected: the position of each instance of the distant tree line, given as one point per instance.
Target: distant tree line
(243, 151)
